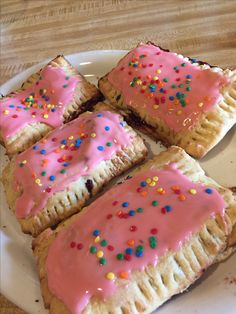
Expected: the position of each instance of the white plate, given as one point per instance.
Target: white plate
(19, 281)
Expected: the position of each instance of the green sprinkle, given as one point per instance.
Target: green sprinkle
(187, 82)
(154, 203)
(165, 79)
(109, 144)
(173, 86)
(153, 242)
(142, 56)
(140, 248)
(120, 256)
(21, 165)
(130, 63)
(132, 84)
(43, 173)
(183, 103)
(93, 249)
(102, 261)
(181, 85)
(63, 171)
(188, 88)
(183, 64)
(139, 210)
(104, 242)
(67, 77)
(176, 67)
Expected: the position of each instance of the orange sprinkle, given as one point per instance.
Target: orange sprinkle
(182, 197)
(57, 150)
(34, 175)
(207, 98)
(175, 187)
(143, 193)
(124, 274)
(131, 242)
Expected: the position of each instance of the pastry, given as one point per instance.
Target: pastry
(175, 99)
(52, 96)
(140, 243)
(55, 177)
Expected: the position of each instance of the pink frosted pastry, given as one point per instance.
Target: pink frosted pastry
(140, 243)
(54, 95)
(173, 98)
(56, 176)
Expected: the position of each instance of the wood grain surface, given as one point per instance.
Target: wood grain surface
(34, 30)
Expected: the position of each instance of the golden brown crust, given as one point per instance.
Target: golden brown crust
(210, 129)
(85, 96)
(65, 203)
(174, 272)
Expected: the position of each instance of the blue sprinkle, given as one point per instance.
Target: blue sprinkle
(135, 65)
(19, 107)
(52, 178)
(96, 232)
(188, 76)
(132, 212)
(65, 86)
(101, 148)
(11, 106)
(78, 142)
(129, 251)
(122, 124)
(209, 191)
(43, 96)
(168, 208)
(107, 128)
(143, 184)
(139, 253)
(35, 147)
(66, 164)
(194, 60)
(178, 94)
(43, 151)
(99, 115)
(171, 98)
(63, 141)
(53, 109)
(125, 204)
(47, 98)
(162, 90)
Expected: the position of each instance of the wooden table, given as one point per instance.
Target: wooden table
(34, 30)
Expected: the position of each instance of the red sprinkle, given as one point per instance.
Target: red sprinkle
(72, 244)
(48, 189)
(133, 228)
(110, 248)
(109, 216)
(163, 210)
(14, 116)
(154, 231)
(79, 246)
(128, 257)
(115, 203)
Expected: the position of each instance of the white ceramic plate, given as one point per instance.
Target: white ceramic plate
(213, 294)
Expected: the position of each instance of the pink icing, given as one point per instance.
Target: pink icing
(174, 208)
(166, 86)
(65, 155)
(44, 101)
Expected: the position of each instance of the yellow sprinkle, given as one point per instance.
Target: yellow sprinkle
(49, 105)
(139, 82)
(155, 106)
(100, 254)
(155, 178)
(33, 115)
(93, 134)
(148, 180)
(6, 112)
(37, 181)
(24, 162)
(71, 137)
(156, 78)
(97, 239)
(30, 97)
(200, 104)
(45, 116)
(110, 276)
(72, 144)
(152, 183)
(62, 146)
(192, 191)
(159, 71)
(179, 112)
